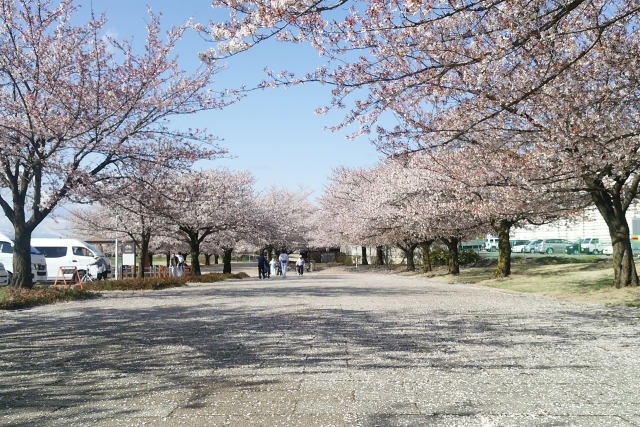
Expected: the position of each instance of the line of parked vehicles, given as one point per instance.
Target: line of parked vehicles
(590, 246)
(48, 255)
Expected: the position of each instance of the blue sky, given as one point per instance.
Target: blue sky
(273, 133)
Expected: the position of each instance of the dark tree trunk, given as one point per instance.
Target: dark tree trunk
(226, 258)
(168, 254)
(216, 257)
(409, 251)
(454, 260)
(614, 214)
(207, 259)
(195, 257)
(426, 255)
(503, 266)
(379, 255)
(144, 252)
(22, 275)
(364, 256)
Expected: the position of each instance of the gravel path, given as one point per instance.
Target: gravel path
(343, 349)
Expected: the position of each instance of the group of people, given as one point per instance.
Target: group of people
(177, 265)
(277, 267)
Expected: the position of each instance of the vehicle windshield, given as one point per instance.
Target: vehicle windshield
(94, 250)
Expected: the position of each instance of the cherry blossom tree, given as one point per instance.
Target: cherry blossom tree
(128, 205)
(200, 204)
(75, 105)
(390, 205)
(284, 221)
(559, 77)
(498, 198)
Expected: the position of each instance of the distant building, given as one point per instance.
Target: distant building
(590, 224)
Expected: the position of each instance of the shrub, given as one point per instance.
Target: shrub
(467, 256)
(439, 257)
(153, 283)
(14, 298)
(344, 259)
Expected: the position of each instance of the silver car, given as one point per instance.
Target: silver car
(550, 246)
(531, 246)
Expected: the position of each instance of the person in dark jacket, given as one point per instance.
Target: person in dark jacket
(262, 266)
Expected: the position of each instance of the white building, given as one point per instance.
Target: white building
(590, 224)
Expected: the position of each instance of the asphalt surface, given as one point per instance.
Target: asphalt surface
(325, 349)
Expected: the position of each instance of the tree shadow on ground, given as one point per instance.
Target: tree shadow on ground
(55, 363)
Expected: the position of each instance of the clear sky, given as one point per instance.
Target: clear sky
(273, 133)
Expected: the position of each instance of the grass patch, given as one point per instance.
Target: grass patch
(553, 260)
(13, 298)
(135, 284)
(587, 280)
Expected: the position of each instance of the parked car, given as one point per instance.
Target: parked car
(607, 250)
(38, 263)
(517, 246)
(573, 248)
(71, 253)
(531, 246)
(491, 244)
(4, 276)
(550, 246)
(593, 246)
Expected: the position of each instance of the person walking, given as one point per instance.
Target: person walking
(300, 265)
(284, 260)
(262, 265)
(181, 265)
(272, 264)
(173, 265)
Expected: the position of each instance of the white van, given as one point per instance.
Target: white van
(70, 253)
(38, 262)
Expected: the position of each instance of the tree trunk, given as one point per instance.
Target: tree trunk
(216, 257)
(503, 267)
(454, 260)
(207, 259)
(226, 258)
(426, 255)
(364, 256)
(379, 255)
(22, 276)
(409, 251)
(144, 252)
(195, 256)
(168, 254)
(624, 267)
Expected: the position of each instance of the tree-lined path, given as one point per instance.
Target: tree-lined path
(326, 349)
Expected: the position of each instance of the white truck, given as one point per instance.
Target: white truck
(594, 245)
(491, 243)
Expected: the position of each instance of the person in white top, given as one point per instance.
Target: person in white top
(181, 265)
(284, 260)
(300, 265)
(272, 264)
